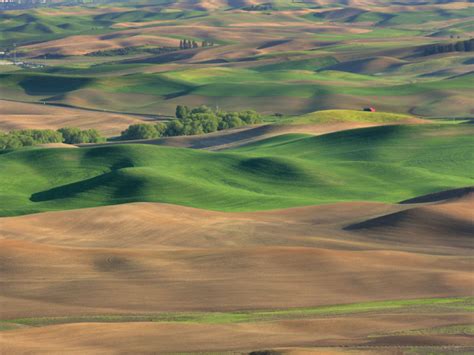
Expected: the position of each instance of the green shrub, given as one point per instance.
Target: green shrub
(28, 137)
(140, 131)
(199, 120)
(72, 135)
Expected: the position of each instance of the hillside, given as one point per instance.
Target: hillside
(205, 176)
(343, 55)
(277, 278)
(386, 163)
(20, 115)
(315, 123)
(350, 116)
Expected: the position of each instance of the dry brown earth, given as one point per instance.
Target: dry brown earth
(20, 115)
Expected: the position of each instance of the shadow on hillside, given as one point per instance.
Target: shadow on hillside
(46, 85)
(115, 184)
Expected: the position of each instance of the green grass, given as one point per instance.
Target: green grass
(260, 76)
(396, 18)
(388, 163)
(255, 74)
(34, 25)
(251, 85)
(147, 15)
(329, 116)
(417, 305)
(41, 85)
(230, 82)
(416, 17)
(299, 64)
(41, 25)
(8, 326)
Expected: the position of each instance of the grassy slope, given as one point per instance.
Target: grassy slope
(221, 83)
(327, 116)
(257, 73)
(17, 27)
(394, 18)
(42, 25)
(389, 163)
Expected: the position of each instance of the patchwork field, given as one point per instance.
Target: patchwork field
(311, 226)
(291, 58)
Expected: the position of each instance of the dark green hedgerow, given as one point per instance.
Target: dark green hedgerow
(189, 122)
(30, 137)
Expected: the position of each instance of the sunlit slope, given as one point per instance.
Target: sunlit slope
(287, 91)
(388, 163)
(332, 116)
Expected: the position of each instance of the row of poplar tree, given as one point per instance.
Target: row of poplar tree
(187, 43)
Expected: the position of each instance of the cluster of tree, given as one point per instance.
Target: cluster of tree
(51, 56)
(461, 46)
(131, 51)
(199, 120)
(259, 7)
(29, 137)
(72, 135)
(206, 43)
(187, 44)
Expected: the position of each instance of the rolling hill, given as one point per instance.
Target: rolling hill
(386, 163)
(321, 229)
(345, 273)
(343, 55)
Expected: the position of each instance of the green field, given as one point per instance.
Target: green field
(157, 93)
(388, 163)
(332, 116)
(417, 305)
(42, 25)
(317, 60)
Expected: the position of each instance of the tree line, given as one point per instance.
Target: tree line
(199, 120)
(131, 51)
(188, 43)
(183, 44)
(461, 46)
(30, 137)
(259, 7)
